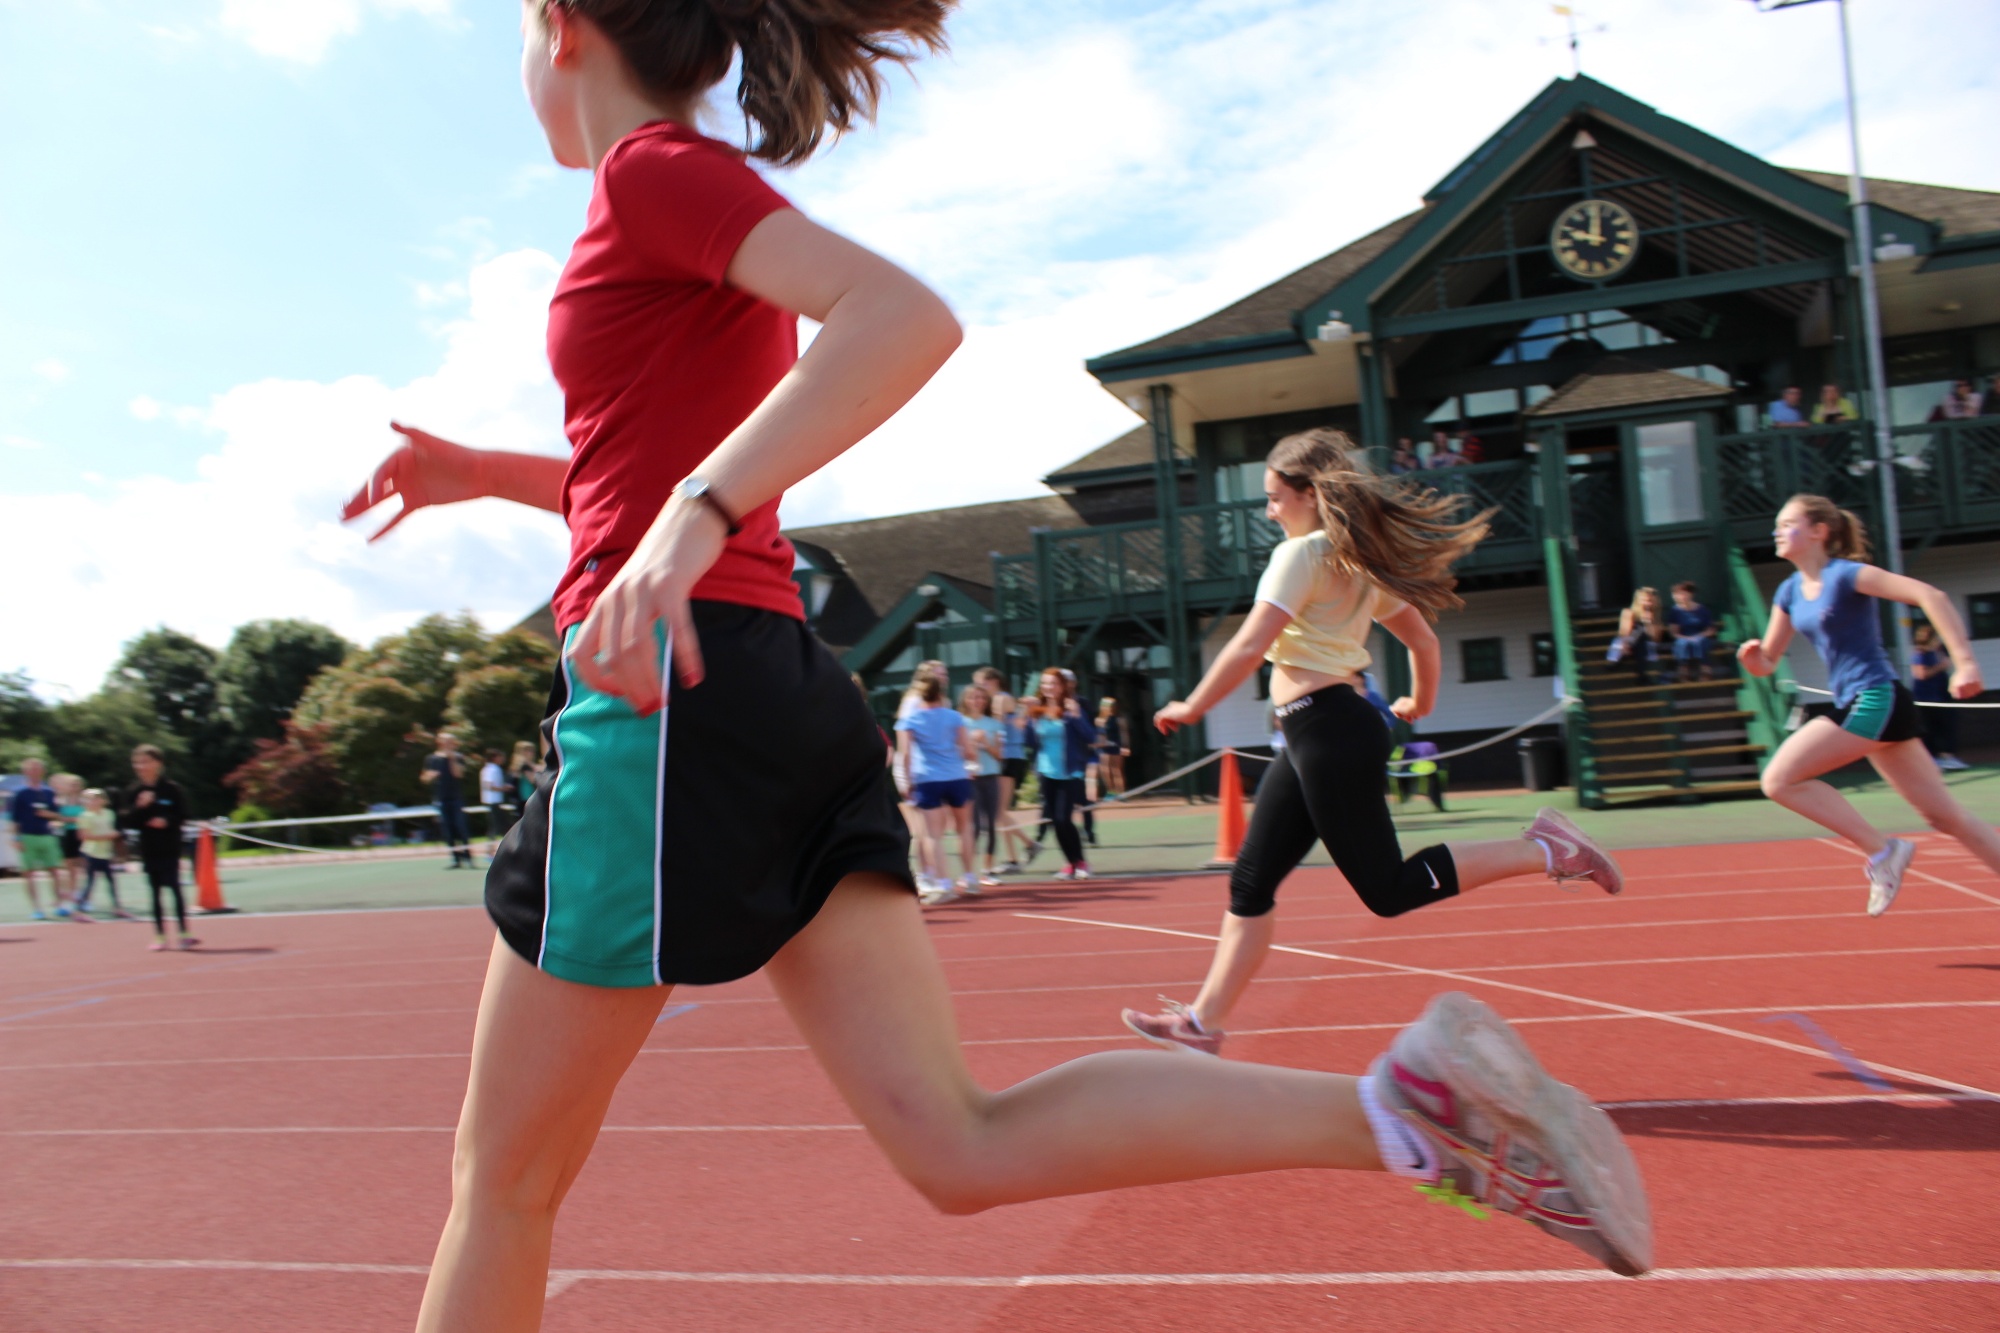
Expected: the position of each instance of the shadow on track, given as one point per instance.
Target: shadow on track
(1957, 1126)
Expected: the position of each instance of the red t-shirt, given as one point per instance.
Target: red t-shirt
(659, 359)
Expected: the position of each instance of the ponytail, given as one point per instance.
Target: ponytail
(1401, 539)
(807, 65)
(1846, 534)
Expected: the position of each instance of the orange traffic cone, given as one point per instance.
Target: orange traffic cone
(207, 879)
(1229, 822)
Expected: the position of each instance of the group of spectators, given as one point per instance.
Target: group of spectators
(505, 784)
(1961, 402)
(963, 766)
(72, 835)
(1650, 635)
(1443, 449)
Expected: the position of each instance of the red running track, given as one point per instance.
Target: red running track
(257, 1135)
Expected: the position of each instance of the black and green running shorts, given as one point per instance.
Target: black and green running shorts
(1886, 713)
(690, 845)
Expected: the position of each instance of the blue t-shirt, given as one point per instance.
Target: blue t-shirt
(1693, 621)
(934, 752)
(988, 727)
(1783, 413)
(1016, 724)
(1841, 622)
(1932, 689)
(1052, 747)
(25, 810)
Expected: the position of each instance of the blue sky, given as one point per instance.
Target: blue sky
(240, 233)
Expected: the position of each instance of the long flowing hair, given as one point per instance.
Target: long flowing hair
(1045, 706)
(1402, 538)
(808, 66)
(1846, 534)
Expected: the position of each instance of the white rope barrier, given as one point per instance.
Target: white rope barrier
(1921, 703)
(1547, 713)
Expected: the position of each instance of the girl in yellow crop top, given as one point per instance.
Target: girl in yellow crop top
(1360, 550)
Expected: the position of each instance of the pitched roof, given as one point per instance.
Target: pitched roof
(886, 556)
(1270, 310)
(1957, 212)
(1132, 449)
(1614, 383)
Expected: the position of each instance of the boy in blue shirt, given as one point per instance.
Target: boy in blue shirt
(1694, 630)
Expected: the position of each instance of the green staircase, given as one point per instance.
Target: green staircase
(1633, 741)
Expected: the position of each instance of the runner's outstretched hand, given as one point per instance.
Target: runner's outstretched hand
(424, 470)
(1175, 714)
(1966, 682)
(616, 650)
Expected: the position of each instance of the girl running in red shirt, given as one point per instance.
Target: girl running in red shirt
(666, 845)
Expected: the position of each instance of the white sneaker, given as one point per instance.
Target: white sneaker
(1951, 763)
(968, 885)
(938, 897)
(1885, 874)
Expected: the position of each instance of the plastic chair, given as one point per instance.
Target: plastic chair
(1421, 767)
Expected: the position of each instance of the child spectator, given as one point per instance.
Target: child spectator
(1930, 668)
(1642, 631)
(444, 770)
(154, 808)
(33, 810)
(97, 828)
(493, 795)
(68, 788)
(1694, 630)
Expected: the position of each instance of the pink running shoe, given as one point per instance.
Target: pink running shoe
(1509, 1137)
(159, 944)
(189, 941)
(1177, 1029)
(1572, 855)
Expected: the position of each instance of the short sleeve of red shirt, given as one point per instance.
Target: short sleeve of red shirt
(659, 359)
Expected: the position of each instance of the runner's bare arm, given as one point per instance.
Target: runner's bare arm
(426, 470)
(1760, 656)
(1238, 658)
(882, 335)
(1426, 661)
(1937, 606)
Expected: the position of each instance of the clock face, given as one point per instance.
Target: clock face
(1595, 239)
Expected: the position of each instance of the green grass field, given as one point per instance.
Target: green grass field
(1151, 839)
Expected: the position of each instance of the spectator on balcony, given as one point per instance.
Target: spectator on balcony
(1444, 451)
(1786, 410)
(1642, 635)
(1694, 630)
(1469, 446)
(1989, 406)
(1404, 459)
(1960, 403)
(1833, 407)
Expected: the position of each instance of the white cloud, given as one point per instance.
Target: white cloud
(145, 408)
(302, 30)
(52, 370)
(256, 532)
(21, 442)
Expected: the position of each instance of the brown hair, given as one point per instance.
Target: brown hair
(930, 689)
(1042, 707)
(1686, 586)
(1402, 539)
(150, 750)
(808, 65)
(1846, 534)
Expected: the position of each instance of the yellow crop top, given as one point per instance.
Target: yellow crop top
(1331, 610)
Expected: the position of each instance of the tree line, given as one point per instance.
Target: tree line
(289, 719)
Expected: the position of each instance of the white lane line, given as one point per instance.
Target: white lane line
(1606, 1005)
(403, 1129)
(1838, 845)
(1857, 1098)
(563, 1278)
(1709, 958)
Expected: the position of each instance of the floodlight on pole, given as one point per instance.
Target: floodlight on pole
(1865, 256)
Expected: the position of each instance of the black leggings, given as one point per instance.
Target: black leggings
(1060, 797)
(1328, 784)
(986, 810)
(163, 875)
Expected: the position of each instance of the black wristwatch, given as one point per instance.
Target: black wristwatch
(697, 489)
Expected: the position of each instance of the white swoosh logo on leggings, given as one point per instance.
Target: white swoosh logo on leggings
(1434, 875)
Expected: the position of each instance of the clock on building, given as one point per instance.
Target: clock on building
(1594, 240)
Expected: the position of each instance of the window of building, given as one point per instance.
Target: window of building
(1483, 659)
(1669, 473)
(1984, 613)
(1542, 647)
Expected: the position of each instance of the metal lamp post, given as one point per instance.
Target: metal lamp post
(1871, 316)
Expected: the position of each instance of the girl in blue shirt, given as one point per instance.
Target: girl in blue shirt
(933, 745)
(1831, 600)
(1061, 735)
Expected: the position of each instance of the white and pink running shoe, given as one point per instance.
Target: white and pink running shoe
(1572, 855)
(1508, 1137)
(1176, 1028)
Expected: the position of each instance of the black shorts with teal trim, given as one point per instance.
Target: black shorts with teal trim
(1885, 713)
(689, 846)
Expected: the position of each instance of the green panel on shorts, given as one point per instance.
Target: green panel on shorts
(602, 921)
(41, 851)
(1868, 717)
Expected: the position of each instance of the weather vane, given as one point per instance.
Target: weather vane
(1570, 16)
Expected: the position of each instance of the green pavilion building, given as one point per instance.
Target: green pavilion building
(1608, 301)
